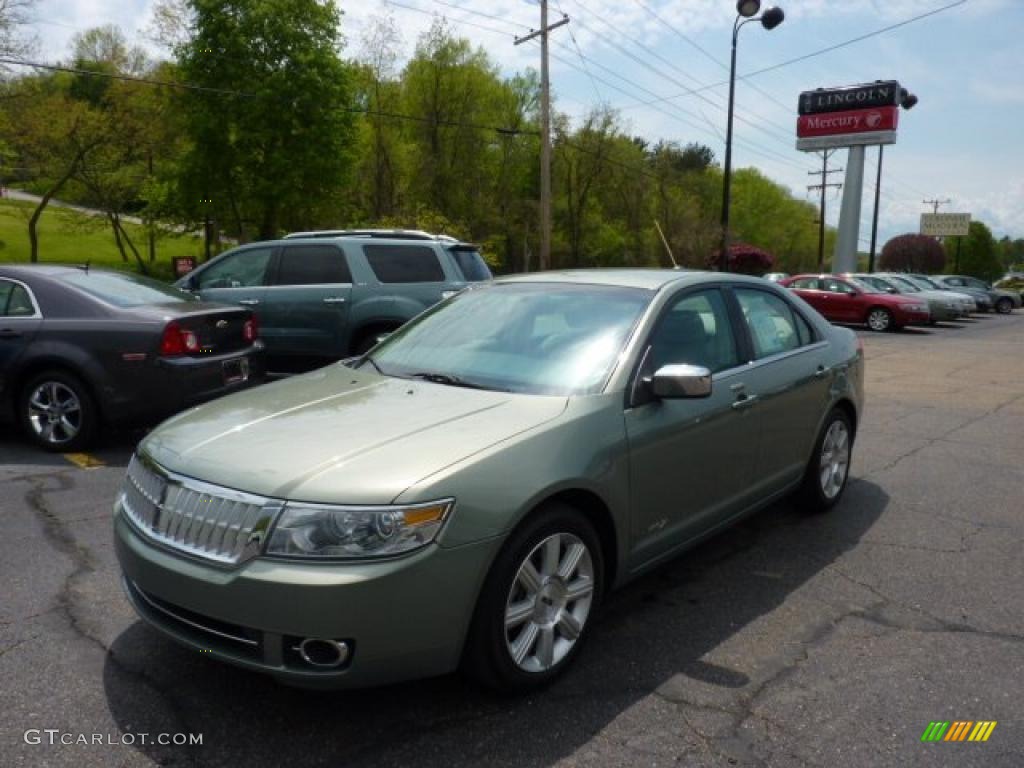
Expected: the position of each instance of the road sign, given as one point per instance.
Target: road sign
(945, 224)
(881, 93)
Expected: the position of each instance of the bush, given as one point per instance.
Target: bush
(912, 253)
(745, 259)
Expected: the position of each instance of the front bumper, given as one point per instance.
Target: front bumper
(403, 618)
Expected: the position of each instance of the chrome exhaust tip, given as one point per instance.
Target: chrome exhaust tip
(322, 653)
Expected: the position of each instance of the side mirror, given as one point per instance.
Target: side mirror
(677, 381)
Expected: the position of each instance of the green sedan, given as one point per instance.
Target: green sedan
(467, 492)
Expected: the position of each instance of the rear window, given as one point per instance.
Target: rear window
(125, 290)
(404, 263)
(474, 269)
(312, 265)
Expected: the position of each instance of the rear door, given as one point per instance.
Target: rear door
(809, 289)
(306, 306)
(19, 322)
(790, 377)
(412, 271)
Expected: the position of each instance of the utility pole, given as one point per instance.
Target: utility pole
(824, 187)
(152, 232)
(936, 203)
(874, 217)
(544, 260)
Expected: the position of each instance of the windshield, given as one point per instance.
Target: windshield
(927, 281)
(124, 289)
(923, 284)
(535, 338)
(474, 268)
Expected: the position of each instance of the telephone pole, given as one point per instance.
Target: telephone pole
(936, 203)
(824, 187)
(544, 260)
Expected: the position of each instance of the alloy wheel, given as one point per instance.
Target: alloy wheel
(549, 602)
(879, 320)
(835, 459)
(54, 412)
(1004, 306)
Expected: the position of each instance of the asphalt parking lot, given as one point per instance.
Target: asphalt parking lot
(789, 640)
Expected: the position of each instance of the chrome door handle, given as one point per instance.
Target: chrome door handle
(334, 300)
(822, 372)
(249, 302)
(744, 402)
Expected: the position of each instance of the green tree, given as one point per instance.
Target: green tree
(978, 253)
(276, 154)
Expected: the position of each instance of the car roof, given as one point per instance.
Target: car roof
(647, 279)
(49, 270)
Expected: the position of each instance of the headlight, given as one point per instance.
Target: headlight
(322, 531)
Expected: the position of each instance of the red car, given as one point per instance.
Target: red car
(847, 300)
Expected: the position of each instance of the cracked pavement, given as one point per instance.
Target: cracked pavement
(786, 641)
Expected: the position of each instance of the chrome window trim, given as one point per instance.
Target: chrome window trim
(37, 315)
(730, 372)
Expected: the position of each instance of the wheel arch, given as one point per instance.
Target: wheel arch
(35, 366)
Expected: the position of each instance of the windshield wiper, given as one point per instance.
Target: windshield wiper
(451, 381)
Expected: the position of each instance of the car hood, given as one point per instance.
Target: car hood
(339, 435)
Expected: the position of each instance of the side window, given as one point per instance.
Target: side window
(472, 265)
(838, 286)
(245, 269)
(695, 330)
(803, 329)
(807, 283)
(312, 265)
(15, 301)
(404, 263)
(771, 322)
(954, 281)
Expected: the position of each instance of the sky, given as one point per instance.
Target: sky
(960, 143)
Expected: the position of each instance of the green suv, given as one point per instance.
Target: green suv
(321, 296)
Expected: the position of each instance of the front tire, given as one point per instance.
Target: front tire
(534, 611)
(880, 320)
(57, 411)
(1004, 306)
(829, 467)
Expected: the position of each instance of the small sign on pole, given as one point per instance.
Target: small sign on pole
(183, 265)
(945, 224)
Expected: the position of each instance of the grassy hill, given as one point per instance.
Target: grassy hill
(70, 237)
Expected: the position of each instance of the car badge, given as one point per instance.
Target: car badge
(222, 323)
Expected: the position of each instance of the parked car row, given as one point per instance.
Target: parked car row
(891, 301)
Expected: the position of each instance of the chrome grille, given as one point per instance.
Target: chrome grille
(208, 521)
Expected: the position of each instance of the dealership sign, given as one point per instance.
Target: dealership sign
(852, 116)
(945, 224)
(884, 93)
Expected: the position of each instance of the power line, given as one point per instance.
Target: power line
(828, 49)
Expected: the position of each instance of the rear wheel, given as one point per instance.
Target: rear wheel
(829, 466)
(880, 320)
(58, 412)
(533, 613)
(1004, 306)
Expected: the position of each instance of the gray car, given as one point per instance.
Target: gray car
(1003, 302)
(469, 490)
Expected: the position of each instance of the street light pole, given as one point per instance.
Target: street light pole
(746, 10)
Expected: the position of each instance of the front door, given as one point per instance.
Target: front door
(306, 305)
(691, 461)
(844, 301)
(237, 278)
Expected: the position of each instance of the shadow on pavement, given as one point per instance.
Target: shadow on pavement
(655, 628)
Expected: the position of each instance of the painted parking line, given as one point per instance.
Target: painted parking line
(84, 460)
